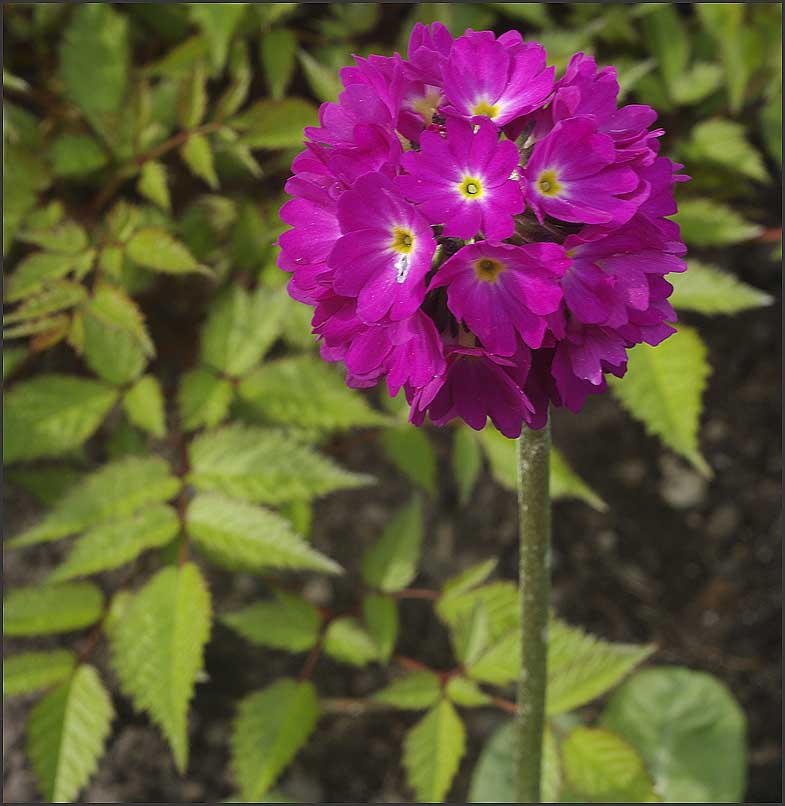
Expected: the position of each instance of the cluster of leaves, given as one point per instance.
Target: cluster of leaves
(167, 405)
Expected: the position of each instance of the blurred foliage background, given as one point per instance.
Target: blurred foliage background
(148, 335)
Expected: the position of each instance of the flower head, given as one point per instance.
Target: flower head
(486, 240)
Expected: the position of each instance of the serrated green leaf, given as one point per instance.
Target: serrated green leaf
(470, 636)
(242, 536)
(493, 779)
(241, 328)
(275, 124)
(415, 692)
(154, 248)
(324, 81)
(58, 295)
(432, 751)
(469, 578)
(264, 466)
(466, 462)
(705, 222)
(144, 405)
(192, 100)
(38, 269)
(305, 392)
(695, 84)
(237, 91)
(74, 155)
(113, 492)
(709, 290)
(689, 730)
(66, 237)
(47, 331)
(277, 53)
(198, 156)
(203, 399)
(602, 768)
(94, 61)
(32, 671)
(466, 693)
(723, 143)
(566, 483)
(348, 641)
(288, 622)
(380, 614)
(41, 610)
(153, 184)
(500, 662)
(390, 564)
(410, 450)
(582, 667)
(270, 727)
(218, 22)
(663, 389)
(52, 414)
(66, 734)
(157, 650)
(113, 544)
(499, 600)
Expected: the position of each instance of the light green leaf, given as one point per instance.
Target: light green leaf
(380, 614)
(697, 83)
(566, 483)
(58, 295)
(288, 622)
(203, 399)
(74, 155)
(113, 544)
(32, 671)
(601, 767)
(198, 156)
(709, 290)
(493, 779)
(464, 692)
(323, 80)
(144, 405)
(277, 54)
(192, 99)
(666, 35)
(154, 248)
(153, 184)
(705, 222)
(471, 577)
(94, 60)
(305, 392)
(66, 734)
(415, 692)
(249, 538)
(13, 357)
(410, 450)
(466, 462)
(114, 492)
(276, 124)
(270, 727)
(348, 641)
(498, 599)
(52, 414)
(771, 122)
(390, 564)
(470, 636)
(500, 663)
(723, 143)
(663, 389)
(241, 328)
(432, 751)
(157, 649)
(65, 236)
(218, 22)
(582, 667)
(38, 269)
(533, 13)
(237, 91)
(689, 730)
(41, 610)
(264, 466)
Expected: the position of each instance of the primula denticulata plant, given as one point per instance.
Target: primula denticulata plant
(486, 236)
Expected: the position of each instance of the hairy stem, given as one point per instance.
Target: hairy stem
(534, 525)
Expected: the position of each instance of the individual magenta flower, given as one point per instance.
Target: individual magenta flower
(385, 252)
(462, 180)
(483, 239)
(500, 290)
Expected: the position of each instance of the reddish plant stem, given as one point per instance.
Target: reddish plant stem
(416, 593)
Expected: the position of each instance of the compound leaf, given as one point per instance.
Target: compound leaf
(41, 610)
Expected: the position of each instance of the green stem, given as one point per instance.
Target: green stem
(534, 525)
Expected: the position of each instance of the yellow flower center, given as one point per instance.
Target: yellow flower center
(426, 105)
(487, 269)
(484, 108)
(402, 240)
(471, 187)
(548, 184)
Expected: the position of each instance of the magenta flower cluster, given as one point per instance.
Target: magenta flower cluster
(485, 237)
